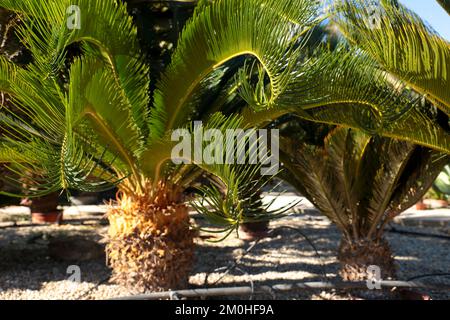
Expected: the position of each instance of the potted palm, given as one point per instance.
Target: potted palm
(421, 205)
(436, 199)
(44, 209)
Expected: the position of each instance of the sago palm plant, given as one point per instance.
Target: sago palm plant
(97, 125)
(360, 182)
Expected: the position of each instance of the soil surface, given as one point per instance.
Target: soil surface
(40, 262)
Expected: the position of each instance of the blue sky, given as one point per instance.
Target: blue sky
(433, 13)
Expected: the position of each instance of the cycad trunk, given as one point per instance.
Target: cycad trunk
(150, 243)
(356, 256)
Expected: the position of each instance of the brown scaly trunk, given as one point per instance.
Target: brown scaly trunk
(150, 245)
(357, 256)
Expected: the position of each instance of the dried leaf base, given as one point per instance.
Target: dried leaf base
(150, 245)
(357, 256)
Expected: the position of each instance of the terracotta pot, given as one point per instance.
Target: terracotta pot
(254, 230)
(44, 204)
(421, 206)
(48, 217)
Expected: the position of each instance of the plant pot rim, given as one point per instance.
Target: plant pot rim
(47, 217)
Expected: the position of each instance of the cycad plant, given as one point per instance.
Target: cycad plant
(97, 125)
(92, 120)
(360, 182)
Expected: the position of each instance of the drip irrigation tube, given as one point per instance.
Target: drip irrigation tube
(247, 290)
(83, 221)
(418, 234)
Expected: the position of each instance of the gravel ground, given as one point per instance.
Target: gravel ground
(29, 269)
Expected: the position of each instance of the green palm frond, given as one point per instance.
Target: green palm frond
(346, 88)
(7, 74)
(10, 154)
(222, 31)
(430, 135)
(360, 182)
(46, 169)
(240, 182)
(306, 17)
(417, 178)
(99, 19)
(345, 76)
(80, 168)
(402, 43)
(111, 91)
(48, 37)
(40, 101)
(94, 96)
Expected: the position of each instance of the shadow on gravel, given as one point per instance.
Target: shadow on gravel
(29, 259)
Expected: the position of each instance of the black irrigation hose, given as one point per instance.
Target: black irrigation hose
(324, 274)
(234, 265)
(88, 291)
(81, 222)
(420, 234)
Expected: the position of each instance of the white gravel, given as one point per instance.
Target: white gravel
(28, 272)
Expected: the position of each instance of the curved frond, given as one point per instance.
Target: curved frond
(48, 33)
(218, 33)
(94, 96)
(343, 76)
(346, 76)
(402, 43)
(46, 168)
(7, 74)
(240, 180)
(430, 135)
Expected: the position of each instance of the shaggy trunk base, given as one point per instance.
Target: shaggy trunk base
(356, 257)
(150, 247)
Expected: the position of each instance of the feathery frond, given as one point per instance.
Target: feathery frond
(402, 43)
(220, 32)
(361, 182)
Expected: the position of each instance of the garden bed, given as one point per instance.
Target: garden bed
(33, 262)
